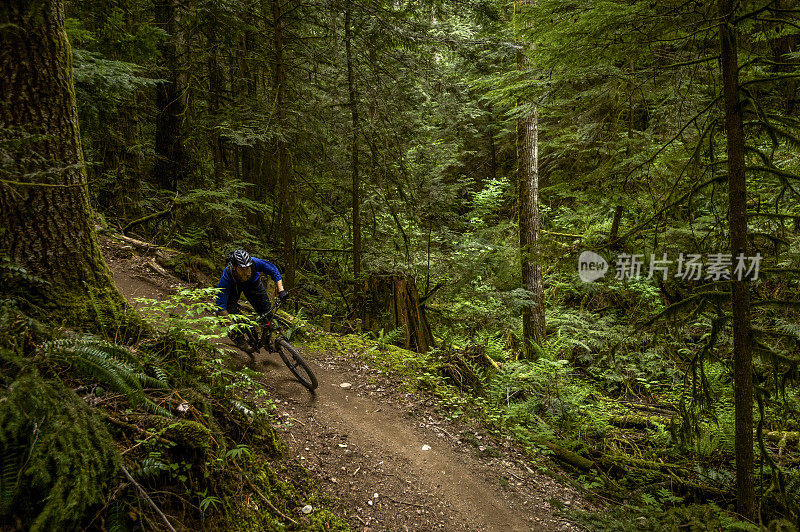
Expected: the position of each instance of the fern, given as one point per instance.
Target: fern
(10, 465)
(149, 468)
(20, 287)
(110, 364)
(117, 518)
(385, 339)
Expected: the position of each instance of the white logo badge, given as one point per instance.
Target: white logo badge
(591, 266)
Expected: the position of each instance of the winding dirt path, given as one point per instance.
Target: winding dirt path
(387, 459)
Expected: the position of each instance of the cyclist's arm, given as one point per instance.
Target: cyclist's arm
(225, 284)
(267, 268)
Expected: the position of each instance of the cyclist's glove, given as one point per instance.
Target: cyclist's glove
(283, 295)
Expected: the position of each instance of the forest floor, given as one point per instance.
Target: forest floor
(363, 444)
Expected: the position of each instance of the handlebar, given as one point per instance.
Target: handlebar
(276, 304)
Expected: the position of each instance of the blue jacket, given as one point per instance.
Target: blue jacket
(228, 279)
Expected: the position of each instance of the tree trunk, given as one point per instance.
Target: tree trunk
(170, 142)
(284, 177)
(614, 234)
(354, 165)
(44, 208)
(740, 297)
(492, 146)
(216, 83)
(533, 322)
(399, 295)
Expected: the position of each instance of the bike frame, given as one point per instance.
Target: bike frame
(267, 325)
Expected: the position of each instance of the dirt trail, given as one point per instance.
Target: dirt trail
(364, 444)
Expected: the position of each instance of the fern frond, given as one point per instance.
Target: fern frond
(116, 520)
(149, 468)
(10, 463)
(97, 359)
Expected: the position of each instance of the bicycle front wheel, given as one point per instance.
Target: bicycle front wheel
(296, 364)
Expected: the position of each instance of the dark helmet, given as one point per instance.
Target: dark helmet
(240, 258)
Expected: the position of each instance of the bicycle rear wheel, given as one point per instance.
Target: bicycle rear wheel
(296, 364)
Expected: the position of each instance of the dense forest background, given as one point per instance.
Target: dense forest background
(451, 161)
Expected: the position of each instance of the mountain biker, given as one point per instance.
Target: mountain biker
(242, 274)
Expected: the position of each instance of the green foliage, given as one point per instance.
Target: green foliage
(628, 101)
(385, 339)
(21, 289)
(61, 458)
(58, 456)
(109, 364)
(109, 82)
(659, 516)
(185, 311)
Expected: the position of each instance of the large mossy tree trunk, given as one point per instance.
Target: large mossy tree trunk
(45, 219)
(392, 301)
(740, 297)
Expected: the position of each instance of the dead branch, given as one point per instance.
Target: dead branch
(146, 497)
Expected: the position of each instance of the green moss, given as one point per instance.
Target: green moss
(287, 487)
(57, 456)
(189, 434)
(102, 311)
(403, 361)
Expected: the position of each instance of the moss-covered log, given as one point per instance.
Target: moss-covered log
(782, 436)
(566, 456)
(636, 422)
(45, 216)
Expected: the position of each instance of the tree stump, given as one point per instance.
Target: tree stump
(392, 301)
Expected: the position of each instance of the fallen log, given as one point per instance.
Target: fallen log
(141, 244)
(632, 421)
(565, 455)
(782, 436)
(674, 475)
(157, 268)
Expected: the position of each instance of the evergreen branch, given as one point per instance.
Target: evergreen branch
(773, 170)
(776, 303)
(151, 216)
(769, 79)
(778, 21)
(649, 221)
(675, 137)
(755, 13)
(700, 298)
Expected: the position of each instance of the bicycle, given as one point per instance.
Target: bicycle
(261, 335)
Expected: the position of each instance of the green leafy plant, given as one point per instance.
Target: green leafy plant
(112, 365)
(208, 500)
(385, 339)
